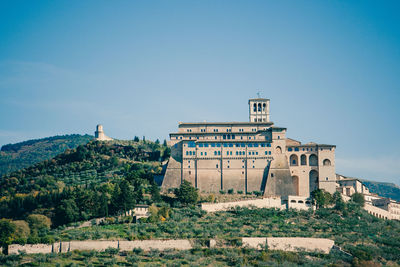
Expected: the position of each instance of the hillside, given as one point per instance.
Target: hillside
(369, 240)
(384, 189)
(24, 154)
(95, 179)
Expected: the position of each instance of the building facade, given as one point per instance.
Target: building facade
(248, 156)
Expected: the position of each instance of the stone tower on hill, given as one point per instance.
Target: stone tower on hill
(100, 135)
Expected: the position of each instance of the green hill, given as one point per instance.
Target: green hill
(95, 179)
(384, 189)
(24, 154)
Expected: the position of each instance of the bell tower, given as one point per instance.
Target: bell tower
(259, 110)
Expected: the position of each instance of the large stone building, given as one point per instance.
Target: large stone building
(248, 156)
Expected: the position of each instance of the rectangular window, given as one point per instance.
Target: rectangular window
(250, 145)
(233, 136)
(243, 145)
(256, 153)
(237, 153)
(205, 145)
(231, 153)
(224, 136)
(191, 144)
(289, 149)
(218, 145)
(230, 145)
(255, 145)
(219, 153)
(215, 153)
(262, 145)
(225, 145)
(212, 145)
(200, 145)
(216, 166)
(205, 153)
(187, 153)
(201, 153)
(227, 153)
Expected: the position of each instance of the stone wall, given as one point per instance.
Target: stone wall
(101, 245)
(322, 245)
(272, 202)
(30, 249)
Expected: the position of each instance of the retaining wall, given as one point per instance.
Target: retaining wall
(101, 245)
(273, 202)
(322, 245)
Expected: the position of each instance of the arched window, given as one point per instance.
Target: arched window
(294, 160)
(327, 162)
(313, 160)
(259, 107)
(255, 107)
(313, 179)
(264, 107)
(278, 150)
(303, 159)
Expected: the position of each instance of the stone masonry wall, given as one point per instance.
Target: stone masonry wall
(101, 245)
(289, 243)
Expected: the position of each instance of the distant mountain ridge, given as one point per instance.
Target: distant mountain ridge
(383, 189)
(27, 153)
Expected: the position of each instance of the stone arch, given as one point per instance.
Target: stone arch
(313, 160)
(327, 162)
(294, 160)
(278, 150)
(303, 159)
(313, 178)
(295, 180)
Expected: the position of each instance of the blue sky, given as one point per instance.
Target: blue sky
(330, 68)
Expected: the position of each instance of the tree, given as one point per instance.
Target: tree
(155, 193)
(136, 139)
(157, 142)
(7, 230)
(321, 197)
(38, 222)
(22, 231)
(67, 212)
(358, 198)
(186, 193)
(165, 143)
(338, 200)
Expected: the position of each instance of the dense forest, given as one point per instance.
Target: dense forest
(24, 154)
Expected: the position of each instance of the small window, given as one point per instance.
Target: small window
(289, 149)
(296, 149)
(216, 166)
(272, 175)
(190, 172)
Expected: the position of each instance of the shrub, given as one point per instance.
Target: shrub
(230, 191)
(222, 192)
(240, 192)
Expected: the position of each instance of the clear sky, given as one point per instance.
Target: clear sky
(330, 68)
